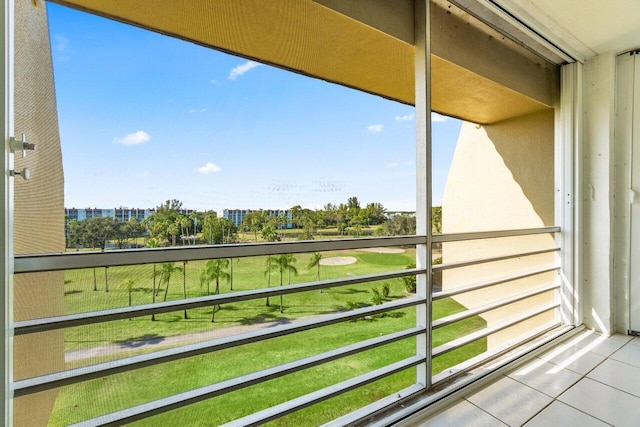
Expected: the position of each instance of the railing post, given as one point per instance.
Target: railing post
(567, 178)
(423, 181)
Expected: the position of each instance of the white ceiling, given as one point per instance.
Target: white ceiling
(583, 28)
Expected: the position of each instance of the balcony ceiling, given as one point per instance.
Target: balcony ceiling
(367, 45)
(583, 27)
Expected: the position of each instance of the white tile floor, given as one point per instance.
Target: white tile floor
(588, 380)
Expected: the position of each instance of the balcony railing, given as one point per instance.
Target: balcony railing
(72, 261)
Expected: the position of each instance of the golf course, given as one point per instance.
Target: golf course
(98, 289)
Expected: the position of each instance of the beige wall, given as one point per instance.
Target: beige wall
(39, 207)
(501, 178)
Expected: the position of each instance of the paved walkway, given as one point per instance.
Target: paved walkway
(156, 342)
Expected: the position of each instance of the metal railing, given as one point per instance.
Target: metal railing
(68, 261)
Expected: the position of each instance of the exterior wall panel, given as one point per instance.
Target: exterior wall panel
(39, 208)
(501, 178)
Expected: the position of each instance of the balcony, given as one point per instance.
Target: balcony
(588, 379)
(412, 358)
(496, 332)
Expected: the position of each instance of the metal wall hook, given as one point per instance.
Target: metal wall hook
(21, 145)
(24, 173)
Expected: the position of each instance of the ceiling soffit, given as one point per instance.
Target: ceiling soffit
(311, 39)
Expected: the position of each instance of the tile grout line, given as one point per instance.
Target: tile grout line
(584, 376)
(615, 388)
(580, 410)
(548, 395)
(538, 413)
(491, 415)
(526, 385)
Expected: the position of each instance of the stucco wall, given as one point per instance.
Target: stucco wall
(39, 207)
(501, 178)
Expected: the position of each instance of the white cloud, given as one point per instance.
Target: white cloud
(243, 68)
(392, 165)
(377, 128)
(208, 168)
(61, 43)
(405, 118)
(135, 138)
(435, 117)
(61, 47)
(198, 110)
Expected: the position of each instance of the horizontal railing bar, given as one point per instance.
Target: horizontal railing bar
(492, 282)
(196, 349)
(419, 409)
(379, 407)
(468, 339)
(76, 260)
(456, 237)
(180, 400)
(302, 402)
(450, 265)
(82, 319)
(73, 376)
(444, 321)
(484, 359)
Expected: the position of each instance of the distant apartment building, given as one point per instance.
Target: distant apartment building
(125, 214)
(82, 214)
(392, 215)
(237, 215)
(121, 214)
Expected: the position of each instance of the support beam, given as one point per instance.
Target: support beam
(423, 182)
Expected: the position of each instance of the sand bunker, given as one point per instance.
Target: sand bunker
(338, 260)
(383, 250)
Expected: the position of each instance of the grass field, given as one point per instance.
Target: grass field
(93, 398)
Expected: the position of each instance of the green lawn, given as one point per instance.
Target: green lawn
(93, 398)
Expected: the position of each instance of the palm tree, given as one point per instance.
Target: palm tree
(173, 230)
(315, 262)
(281, 222)
(168, 268)
(193, 218)
(270, 235)
(208, 226)
(185, 224)
(153, 243)
(128, 284)
(214, 270)
(284, 263)
(270, 263)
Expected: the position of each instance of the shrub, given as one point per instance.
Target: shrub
(410, 281)
(377, 297)
(436, 277)
(352, 305)
(385, 290)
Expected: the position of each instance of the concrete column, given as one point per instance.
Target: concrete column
(598, 185)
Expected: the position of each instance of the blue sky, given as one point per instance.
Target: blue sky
(144, 118)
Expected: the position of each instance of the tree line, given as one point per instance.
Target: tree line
(169, 226)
